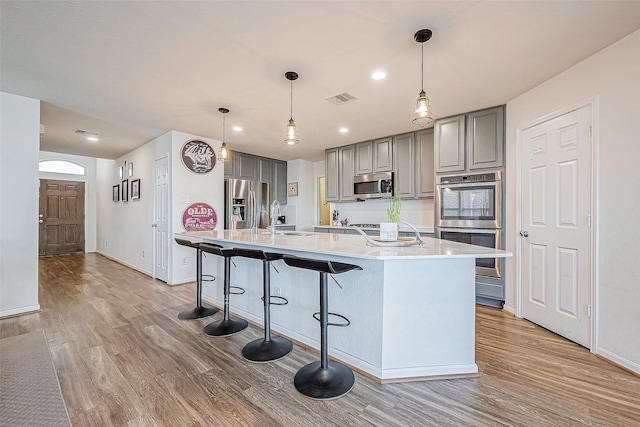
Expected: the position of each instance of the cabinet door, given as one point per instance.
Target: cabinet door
(228, 167)
(346, 169)
(331, 175)
(265, 172)
(425, 175)
(449, 144)
(404, 161)
(383, 155)
(485, 138)
(364, 158)
(279, 186)
(246, 166)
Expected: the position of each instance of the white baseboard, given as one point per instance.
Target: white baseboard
(119, 261)
(509, 309)
(18, 311)
(619, 360)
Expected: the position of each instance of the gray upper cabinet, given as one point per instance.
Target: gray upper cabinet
(279, 182)
(331, 174)
(404, 165)
(364, 158)
(485, 138)
(449, 144)
(425, 174)
(346, 169)
(383, 155)
(228, 167)
(246, 165)
(265, 170)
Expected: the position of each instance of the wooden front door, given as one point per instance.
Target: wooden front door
(61, 222)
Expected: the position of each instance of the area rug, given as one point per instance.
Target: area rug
(29, 389)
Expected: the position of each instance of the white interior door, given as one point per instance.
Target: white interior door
(161, 220)
(556, 218)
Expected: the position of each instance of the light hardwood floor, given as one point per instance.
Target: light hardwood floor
(124, 359)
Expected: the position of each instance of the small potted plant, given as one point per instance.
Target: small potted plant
(389, 230)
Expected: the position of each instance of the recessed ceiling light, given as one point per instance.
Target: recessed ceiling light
(344, 130)
(237, 128)
(378, 75)
(92, 138)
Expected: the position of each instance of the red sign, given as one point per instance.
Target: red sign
(199, 217)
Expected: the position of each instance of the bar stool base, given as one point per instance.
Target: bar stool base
(323, 384)
(224, 328)
(197, 313)
(261, 351)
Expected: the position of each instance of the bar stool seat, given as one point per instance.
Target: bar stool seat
(227, 325)
(269, 348)
(323, 380)
(200, 311)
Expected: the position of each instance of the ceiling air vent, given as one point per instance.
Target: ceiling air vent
(86, 132)
(342, 98)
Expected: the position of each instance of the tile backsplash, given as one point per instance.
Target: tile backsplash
(419, 213)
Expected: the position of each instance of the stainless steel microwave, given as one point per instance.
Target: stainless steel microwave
(373, 186)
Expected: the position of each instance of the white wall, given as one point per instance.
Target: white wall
(613, 75)
(20, 142)
(90, 194)
(306, 202)
(187, 188)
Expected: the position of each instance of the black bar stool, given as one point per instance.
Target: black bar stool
(268, 348)
(323, 379)
(199, 311)
(226, 326)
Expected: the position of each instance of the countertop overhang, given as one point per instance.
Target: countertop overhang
(348, 245)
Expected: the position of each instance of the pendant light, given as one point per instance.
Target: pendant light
(223, 154)
(291, 133)
(423, 116)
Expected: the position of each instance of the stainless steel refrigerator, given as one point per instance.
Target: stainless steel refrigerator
(246, 203)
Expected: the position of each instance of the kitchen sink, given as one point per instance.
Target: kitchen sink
(294, 233)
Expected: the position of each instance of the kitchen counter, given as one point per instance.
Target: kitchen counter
(421, 230)
(412, 309)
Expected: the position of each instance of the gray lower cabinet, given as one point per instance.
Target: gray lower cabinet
(485, 138)
(404, 165)
(425, 174)
(279, 182)
(449, 144)
(346, 170)
(332, 174)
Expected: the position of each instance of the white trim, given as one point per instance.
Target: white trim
(594, 103)
(21, 310)
(619, 360)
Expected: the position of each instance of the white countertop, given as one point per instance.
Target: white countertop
(348, 245)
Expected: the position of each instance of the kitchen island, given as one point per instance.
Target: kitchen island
(412, 309)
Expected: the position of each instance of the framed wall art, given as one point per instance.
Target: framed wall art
(198, 156)
(130, 169)
(125, 190)
(292, 189)
(116, 193)
(135, 189)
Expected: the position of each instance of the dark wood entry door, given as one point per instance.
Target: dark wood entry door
(61, 217)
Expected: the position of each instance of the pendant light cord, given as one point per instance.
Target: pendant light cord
(291, 92)
(224, 127)
(422, 68)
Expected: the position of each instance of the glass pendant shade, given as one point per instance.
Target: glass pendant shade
(291, 134)
(223, 154)
(423, 116)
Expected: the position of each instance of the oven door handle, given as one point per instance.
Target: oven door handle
(469, 230)
(469, 184)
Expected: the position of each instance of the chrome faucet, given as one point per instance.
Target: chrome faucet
(274, 216)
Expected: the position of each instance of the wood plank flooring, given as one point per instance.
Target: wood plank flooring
(124, 359)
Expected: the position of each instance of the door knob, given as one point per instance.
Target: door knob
(40, 221)
(524, 233)
(154, 225)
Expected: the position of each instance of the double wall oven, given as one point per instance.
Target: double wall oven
(469, 210)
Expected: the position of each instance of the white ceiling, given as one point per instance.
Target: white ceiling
(134, 70)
